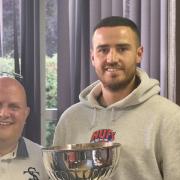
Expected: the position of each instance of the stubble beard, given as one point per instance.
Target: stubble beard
(116, 85)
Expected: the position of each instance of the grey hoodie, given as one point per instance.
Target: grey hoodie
(145, 124)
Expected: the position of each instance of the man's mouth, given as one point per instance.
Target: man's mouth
(6, 122)
(113, 69)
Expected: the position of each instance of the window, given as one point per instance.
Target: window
(10, 47)
(10, 35)
(51, 70)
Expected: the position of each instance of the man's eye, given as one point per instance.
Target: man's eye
(122, 49)
(14, 107)
(103, 50)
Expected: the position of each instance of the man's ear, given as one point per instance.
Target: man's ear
(27, 112)
(92, 56)
(139, 54)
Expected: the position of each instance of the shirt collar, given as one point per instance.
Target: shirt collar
(22, 151)
(10, 155)
(19, 152)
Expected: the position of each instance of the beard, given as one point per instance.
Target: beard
(116, 84)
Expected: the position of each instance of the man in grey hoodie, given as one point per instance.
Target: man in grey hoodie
(124, 106)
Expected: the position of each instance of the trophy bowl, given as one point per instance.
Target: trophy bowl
(88, 161)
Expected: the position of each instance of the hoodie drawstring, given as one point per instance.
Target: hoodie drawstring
(93, 119)
(112, 115)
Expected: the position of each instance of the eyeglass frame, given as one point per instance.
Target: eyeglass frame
(11, 75)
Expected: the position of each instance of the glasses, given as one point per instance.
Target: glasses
(13, 75)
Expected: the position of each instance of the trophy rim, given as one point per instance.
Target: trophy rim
(82, 147)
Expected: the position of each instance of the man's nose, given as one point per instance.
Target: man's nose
(112, 56)
(4, 112)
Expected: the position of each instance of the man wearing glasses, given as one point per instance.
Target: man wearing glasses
(20, 158)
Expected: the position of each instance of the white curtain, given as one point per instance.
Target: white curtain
(172, 65)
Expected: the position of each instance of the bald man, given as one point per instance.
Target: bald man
(20, 158)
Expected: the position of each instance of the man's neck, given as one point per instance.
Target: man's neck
(6, 148)
(108, 97)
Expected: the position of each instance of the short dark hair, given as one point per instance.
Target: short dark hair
(113, 21)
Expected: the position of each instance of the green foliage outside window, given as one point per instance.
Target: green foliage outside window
(7, 65)
(51, 82)
(50, 127)
(51, 94)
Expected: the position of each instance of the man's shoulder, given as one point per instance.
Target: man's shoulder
(165, 105)
(74, 108)
(166, 101)
(32, 145)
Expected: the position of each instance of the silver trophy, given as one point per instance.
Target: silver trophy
(91, 161)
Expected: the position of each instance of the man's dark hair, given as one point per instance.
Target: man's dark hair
(113, 21)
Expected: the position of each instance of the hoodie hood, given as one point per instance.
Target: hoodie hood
(146, 89)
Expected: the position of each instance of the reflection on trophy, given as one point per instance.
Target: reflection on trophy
(91, 161)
